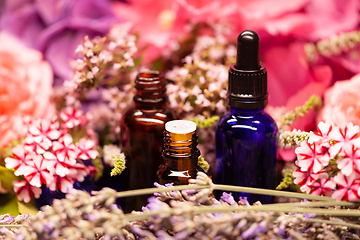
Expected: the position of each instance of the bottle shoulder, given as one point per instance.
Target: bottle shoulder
(259, 121)
(157, 116)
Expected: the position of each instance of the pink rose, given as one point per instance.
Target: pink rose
(160, 23)
(25, 87)
(342, 103)
(292, 80)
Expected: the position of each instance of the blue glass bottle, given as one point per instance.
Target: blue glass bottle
(246, 137)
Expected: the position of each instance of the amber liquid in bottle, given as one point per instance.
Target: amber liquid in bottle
(180, 153)
(141, 140)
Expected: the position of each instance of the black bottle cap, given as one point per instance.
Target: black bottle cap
(248, 78)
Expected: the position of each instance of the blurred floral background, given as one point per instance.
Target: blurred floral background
(67, 71)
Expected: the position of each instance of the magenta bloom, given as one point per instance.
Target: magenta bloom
(348, 187)
(56, 27)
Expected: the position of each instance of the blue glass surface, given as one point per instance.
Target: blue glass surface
(246, 142)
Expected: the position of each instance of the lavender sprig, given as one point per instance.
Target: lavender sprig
(195, 216)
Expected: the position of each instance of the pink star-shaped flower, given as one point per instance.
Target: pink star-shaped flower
(20, 158)
(24, 190)
(56, 167)
(31, 146)
(351, 161)
(323, 186)
(64, 149)
(41, 134)
(342, 137)
(309, 158)
(85, 149)
(38, 174)
(305, 179)
(71, 117)
(348, 187)
(61, 183)
(79, 172)
(322, 133)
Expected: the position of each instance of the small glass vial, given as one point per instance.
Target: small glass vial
(180, 153)
(141, 138)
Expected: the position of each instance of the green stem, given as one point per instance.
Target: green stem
(277, 207)
(270, 192)
(225, 188)
(11, 225)
(145, 191)
(350, 225)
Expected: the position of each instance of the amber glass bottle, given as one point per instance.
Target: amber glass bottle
(141, 140)
(180, 153)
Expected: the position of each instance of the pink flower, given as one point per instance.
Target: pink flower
(310, 20)
(61, 183)
(85, 149)
(322, 133)
(348, 187)
(305, 179)
(309, 157)
(43, 130)
(56, 167)
(24, 190)
(155, 21)
(162, 22)
(64, 149)
(306, 80)
(71, 117)
(20, 158)
(40, 135)
(351, 160)
(342, 103)
(38, 174)
(324, 186)
(79, 172)
(25, 88)
(346, 137)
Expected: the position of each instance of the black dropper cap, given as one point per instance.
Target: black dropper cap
(248, 78)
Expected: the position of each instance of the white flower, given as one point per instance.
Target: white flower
(89, 75)
(109, 151)
(105, 56)
(196, 90)
(187, 107)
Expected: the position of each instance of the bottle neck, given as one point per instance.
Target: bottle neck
(150, 89)
(180, 151)
(246, 111)
(161, 104)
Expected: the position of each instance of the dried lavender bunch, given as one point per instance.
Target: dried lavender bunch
(189, 214)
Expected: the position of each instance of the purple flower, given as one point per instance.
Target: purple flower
(244, 200)
(228, 198)
(56, 27)
(7, 220)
